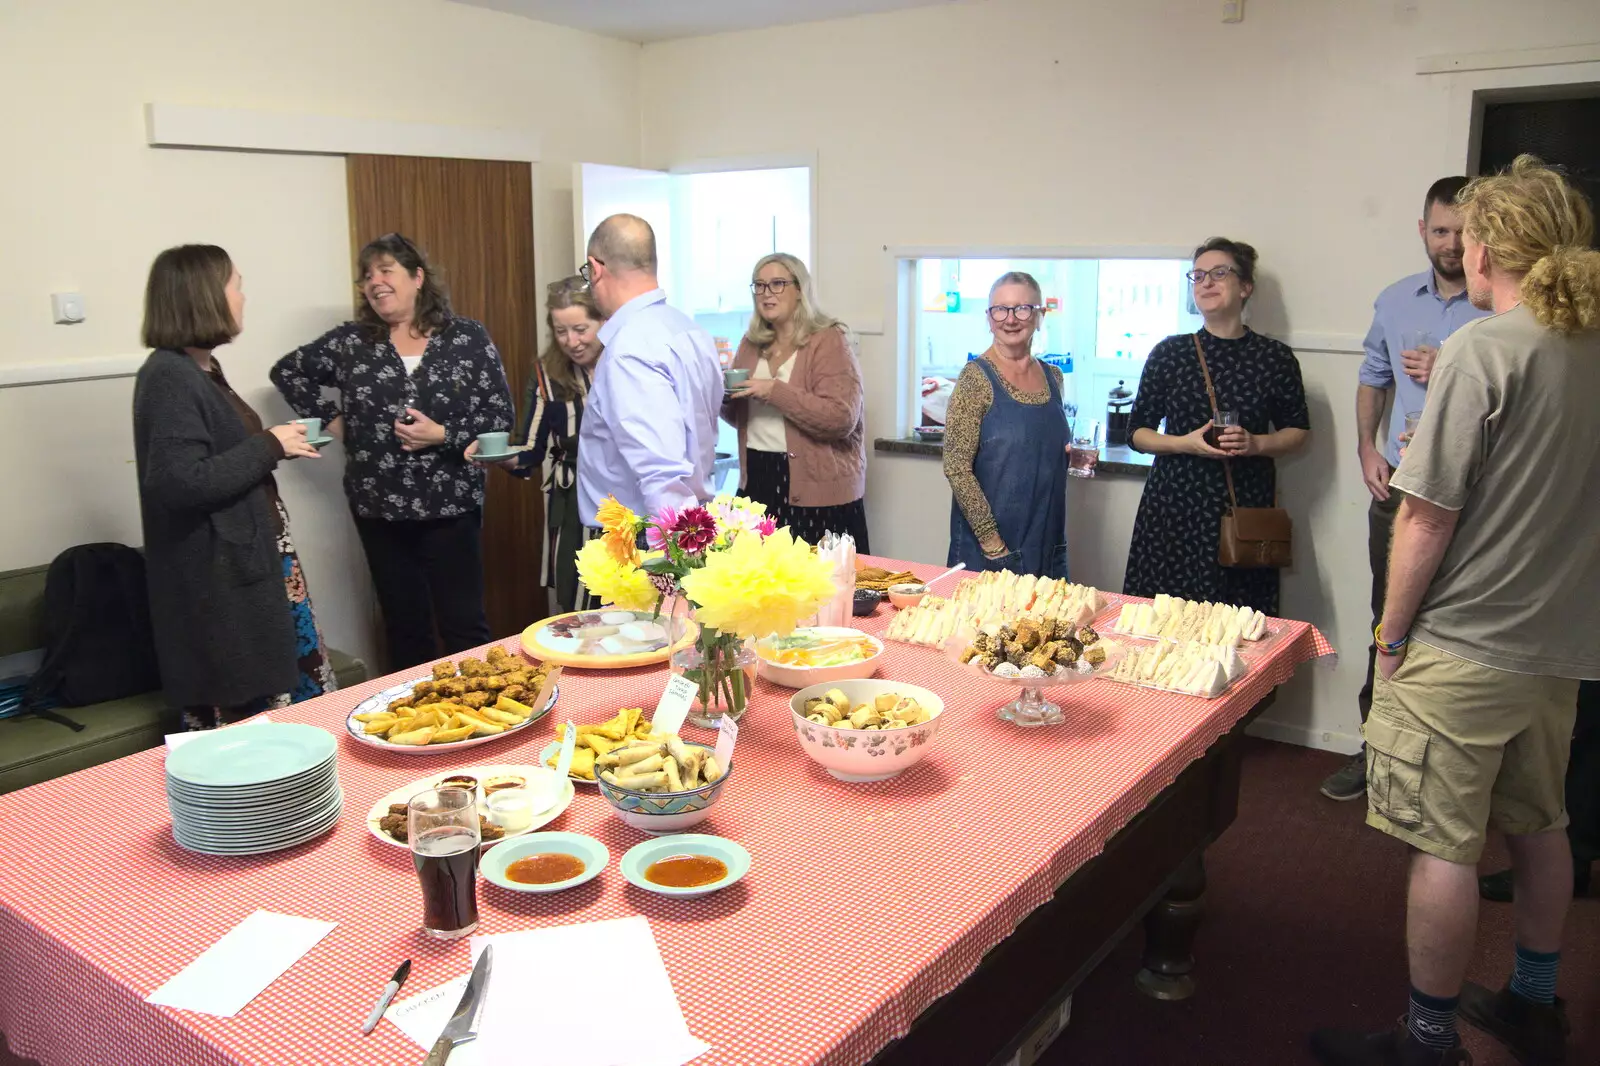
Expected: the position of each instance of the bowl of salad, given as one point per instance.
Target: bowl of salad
(817, 654)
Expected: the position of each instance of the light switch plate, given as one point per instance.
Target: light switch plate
(67, 307)
(1232, 10)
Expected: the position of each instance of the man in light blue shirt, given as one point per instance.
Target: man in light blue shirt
(649, 434)
(1434, 303)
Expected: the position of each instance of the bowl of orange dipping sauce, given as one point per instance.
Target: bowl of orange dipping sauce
(685, 864)
(544, 862)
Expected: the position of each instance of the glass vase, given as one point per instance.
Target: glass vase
(723, 668)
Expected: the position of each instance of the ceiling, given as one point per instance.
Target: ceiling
(663, 20)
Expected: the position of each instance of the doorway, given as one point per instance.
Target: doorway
(1562, 128)
(711, 227)
(474, 220)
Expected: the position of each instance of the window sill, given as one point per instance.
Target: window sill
(1120, 460)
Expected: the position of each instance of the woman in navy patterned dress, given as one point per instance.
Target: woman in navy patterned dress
(1174, 548)
(417, 383)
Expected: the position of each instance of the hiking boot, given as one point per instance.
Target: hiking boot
(1349, 781)
(1536, 1033)
(1393, 1047)
(1498, 888)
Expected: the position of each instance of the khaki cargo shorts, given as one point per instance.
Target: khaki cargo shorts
(1454, 747)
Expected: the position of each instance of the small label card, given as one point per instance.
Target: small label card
(676, 699)
(564, 760)
(726, 736)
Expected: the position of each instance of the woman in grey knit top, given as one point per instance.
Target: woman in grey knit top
(234, 630)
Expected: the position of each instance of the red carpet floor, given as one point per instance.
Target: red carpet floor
(1304, 927)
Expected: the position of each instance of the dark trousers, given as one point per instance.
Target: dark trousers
(427, 573)
(1380, 531)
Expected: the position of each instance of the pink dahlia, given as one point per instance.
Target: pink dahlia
(766, 527)
(657, 532)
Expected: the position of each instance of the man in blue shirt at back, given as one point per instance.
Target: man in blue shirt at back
(649, 434)
(1410, 320)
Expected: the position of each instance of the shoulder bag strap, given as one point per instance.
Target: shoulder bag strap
(1227, 468)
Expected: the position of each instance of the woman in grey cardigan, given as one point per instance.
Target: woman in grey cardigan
(233, 625)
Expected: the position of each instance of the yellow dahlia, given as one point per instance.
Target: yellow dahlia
(759, 586)
(615, 582)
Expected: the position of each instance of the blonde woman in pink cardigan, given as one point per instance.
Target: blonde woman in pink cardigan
(801, 413)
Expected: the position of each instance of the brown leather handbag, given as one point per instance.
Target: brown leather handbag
(1251, 538)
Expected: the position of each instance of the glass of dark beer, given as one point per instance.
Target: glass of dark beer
(442, 826)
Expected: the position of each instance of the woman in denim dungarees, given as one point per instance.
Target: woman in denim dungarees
(1005, 452)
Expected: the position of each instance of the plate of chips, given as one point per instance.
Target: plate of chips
(461, 705)
(596, 740)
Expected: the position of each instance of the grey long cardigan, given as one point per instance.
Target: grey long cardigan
(223, 629)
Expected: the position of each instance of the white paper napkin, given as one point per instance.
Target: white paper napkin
(239, 967)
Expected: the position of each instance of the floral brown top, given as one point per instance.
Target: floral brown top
(460, 384)
(963, 422)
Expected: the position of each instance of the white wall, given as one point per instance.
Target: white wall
(85, 205)
(1051, 123)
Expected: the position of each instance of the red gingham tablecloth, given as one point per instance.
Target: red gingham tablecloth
(865, 903)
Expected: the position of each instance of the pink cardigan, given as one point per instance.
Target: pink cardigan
(824, 418)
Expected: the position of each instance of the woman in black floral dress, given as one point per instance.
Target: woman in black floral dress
(1174, 548)
(416, 384)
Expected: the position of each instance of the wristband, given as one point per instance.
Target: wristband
(1388, 647)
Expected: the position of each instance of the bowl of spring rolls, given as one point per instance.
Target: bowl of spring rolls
(866, 729)
(661, 785)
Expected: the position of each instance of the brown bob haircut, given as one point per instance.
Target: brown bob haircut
(185, 302)
(432, 310)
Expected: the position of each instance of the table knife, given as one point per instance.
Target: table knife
(463, 1024)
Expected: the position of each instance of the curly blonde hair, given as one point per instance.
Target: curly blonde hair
(1537, 224)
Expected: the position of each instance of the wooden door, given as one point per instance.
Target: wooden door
(474, 221)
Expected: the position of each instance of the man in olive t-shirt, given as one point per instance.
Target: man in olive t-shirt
(1492, 613)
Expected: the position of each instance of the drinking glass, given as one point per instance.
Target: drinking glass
(1412, 419)
(442, 826)
(1220, 420)
(1413, 342)
(1083, 455)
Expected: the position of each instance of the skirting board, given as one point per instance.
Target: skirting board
(1304, 736)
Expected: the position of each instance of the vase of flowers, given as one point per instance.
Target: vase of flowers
(741, 576)
(723, 668)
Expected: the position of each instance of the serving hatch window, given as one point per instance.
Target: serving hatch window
(1102, 318)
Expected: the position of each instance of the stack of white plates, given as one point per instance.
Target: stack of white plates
(253, 788)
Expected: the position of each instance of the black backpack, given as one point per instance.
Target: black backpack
(98, 643)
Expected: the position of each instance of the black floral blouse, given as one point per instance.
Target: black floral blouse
(460, 384)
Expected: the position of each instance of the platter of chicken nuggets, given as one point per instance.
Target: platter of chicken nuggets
(461, 705)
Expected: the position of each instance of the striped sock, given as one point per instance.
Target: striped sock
(1534, 979)
(1432, 1020)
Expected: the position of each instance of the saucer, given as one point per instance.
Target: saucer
(322, 441)
(495, 458)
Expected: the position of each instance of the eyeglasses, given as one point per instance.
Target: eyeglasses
(775, 286)
(586, 273)
(1215, 274)
(1021, 312)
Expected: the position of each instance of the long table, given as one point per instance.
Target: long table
(874, 918)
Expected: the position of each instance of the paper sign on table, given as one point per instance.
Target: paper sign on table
(569, 737)
(676, 699)
(239, 967)
(422, 1018)
(178, 740)
(727, 735)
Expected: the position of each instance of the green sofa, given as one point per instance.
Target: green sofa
(35, 749)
